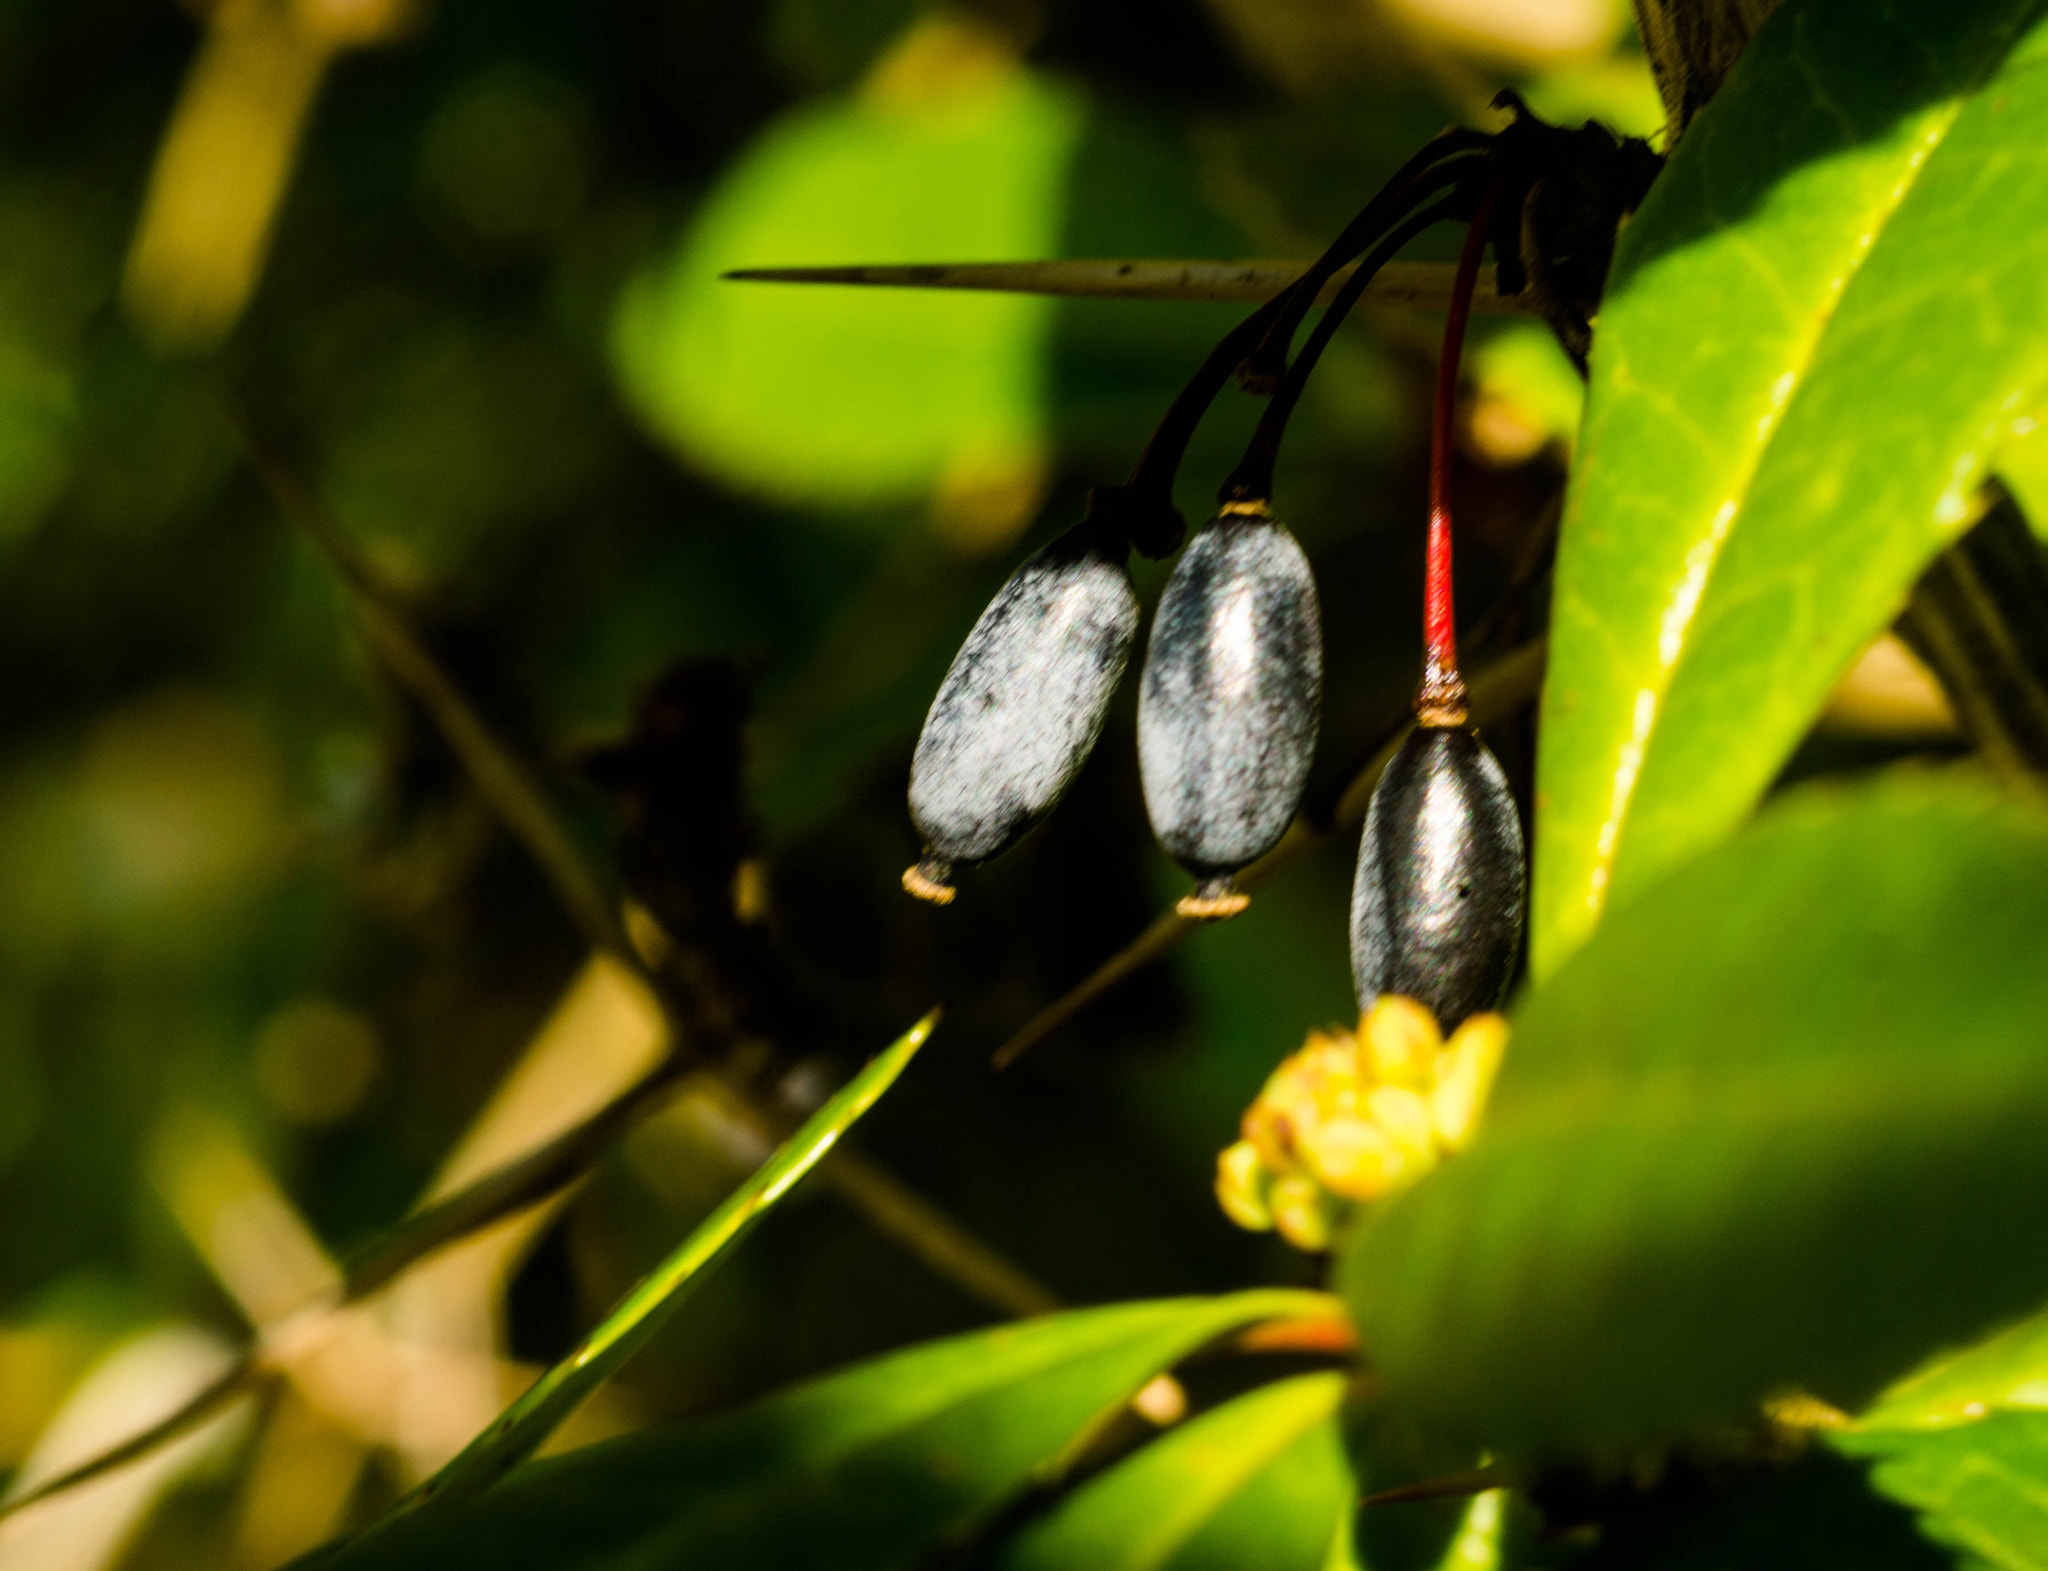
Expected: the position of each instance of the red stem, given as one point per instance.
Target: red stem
(1440, 625)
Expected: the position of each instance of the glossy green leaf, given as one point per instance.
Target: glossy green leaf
(527, 1423)
(1777, 1123)
(1258, 1481)
(1818, 330)
(2006, 1370)
(1981, 1488)
(1964, 1441)
(840, 397)
(1481, 1534)
(1458, 1534)
(1343, 1553)
(866, 1468)
(1287, 1515)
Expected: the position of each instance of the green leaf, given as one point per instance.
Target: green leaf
(846, 397)
(865, 1468)
(1449, 1534)
(1777, 1123)
(1963, 1441)
(1818, 329)
(527, 1423)
(2008, 1370)
(1981, 1488)
(1343, 1552)
(1481, 1534)
(1258, 1481)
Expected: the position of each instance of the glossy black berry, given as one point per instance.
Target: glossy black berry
(1020, 708)
(1436, 910)
(1228, 706)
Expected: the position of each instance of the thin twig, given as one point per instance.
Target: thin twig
(538, 1411)
(504, 782)
(1979, 617)
(231, 1383)
(895, 1211)
(892, 1209)
(901, 1214)
(524, 1181)
(1450, 1486)
(1496, 693)
(520, 1183)
(1423, 284)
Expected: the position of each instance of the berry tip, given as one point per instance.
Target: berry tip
(1214, 900)
(927, 881)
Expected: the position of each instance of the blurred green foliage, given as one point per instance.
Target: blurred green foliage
(700, 551)
(1261, 1480)
(857, 1470)
(239, 871)
(807, 397)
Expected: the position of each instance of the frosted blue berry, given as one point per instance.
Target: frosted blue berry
(1230, 699)
(1021, 707)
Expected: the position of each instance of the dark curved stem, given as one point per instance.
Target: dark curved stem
(1429, 171)
(239, 1378)
(1157, 465)
(1449, 1487)
(1140, 513)
(1252, 480)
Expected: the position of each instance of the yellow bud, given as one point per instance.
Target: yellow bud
(1404, 1115)
(1355, 1158)
(1268, 1134)
(1353, 1119)
(1241, 1183)
(1303, 1212)
(1308, 1088)
(1792, 1408)
(1464, 1075)
(1399, 1038)
(1329, 1044)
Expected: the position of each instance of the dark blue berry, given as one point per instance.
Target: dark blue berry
(1021, 707)
(1228, 706)
(1436, 909)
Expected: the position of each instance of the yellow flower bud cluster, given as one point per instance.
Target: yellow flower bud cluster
(1353, 1118)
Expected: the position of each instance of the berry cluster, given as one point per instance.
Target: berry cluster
(1231, 691)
